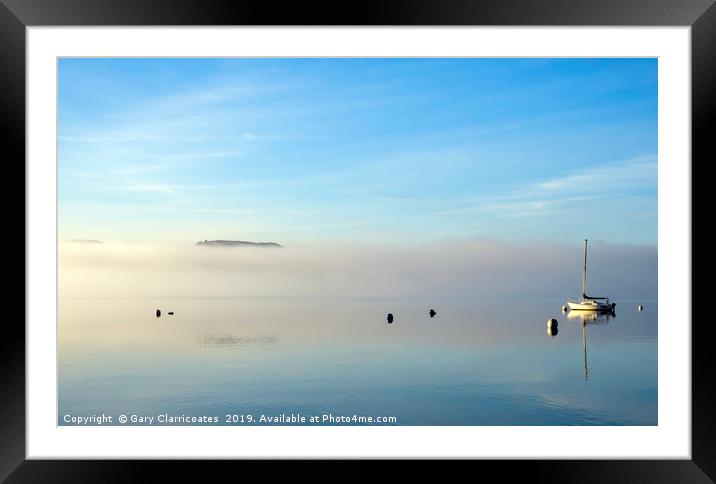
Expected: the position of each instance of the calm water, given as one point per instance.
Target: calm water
(474, 363)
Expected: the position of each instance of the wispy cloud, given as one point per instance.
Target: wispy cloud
(608, 177)
(151, 188)
(364, 149)
(106, 138)
(213, 154)
(549, 196)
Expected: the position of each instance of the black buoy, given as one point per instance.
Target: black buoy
(552, 331)
(171, 313)
(159, 312)
(432, 313)
(390, 318)
(640, 307)
(552, 323)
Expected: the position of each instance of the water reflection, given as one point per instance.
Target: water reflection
(226, 340)
(589, 317)
(485, 363)
(595, 317)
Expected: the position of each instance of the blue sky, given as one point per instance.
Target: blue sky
(360, 150)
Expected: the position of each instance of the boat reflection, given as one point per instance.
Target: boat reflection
(589, 317)
(592, 317)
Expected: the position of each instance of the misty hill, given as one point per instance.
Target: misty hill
(85, 241)
(236, 243)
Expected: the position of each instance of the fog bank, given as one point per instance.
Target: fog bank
(458, 269)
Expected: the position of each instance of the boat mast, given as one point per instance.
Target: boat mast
(584, 272)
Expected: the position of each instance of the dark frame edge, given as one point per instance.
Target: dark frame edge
(12, 342)
(703, 118)
(366, 12)
(12, 346)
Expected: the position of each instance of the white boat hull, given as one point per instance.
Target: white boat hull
(589, 306)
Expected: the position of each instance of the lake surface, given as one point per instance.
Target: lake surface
(482, 362)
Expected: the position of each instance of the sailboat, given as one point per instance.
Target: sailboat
(589, 303)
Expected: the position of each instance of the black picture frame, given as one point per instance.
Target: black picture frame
(16, 15)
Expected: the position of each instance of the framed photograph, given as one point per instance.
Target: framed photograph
(418, 232)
